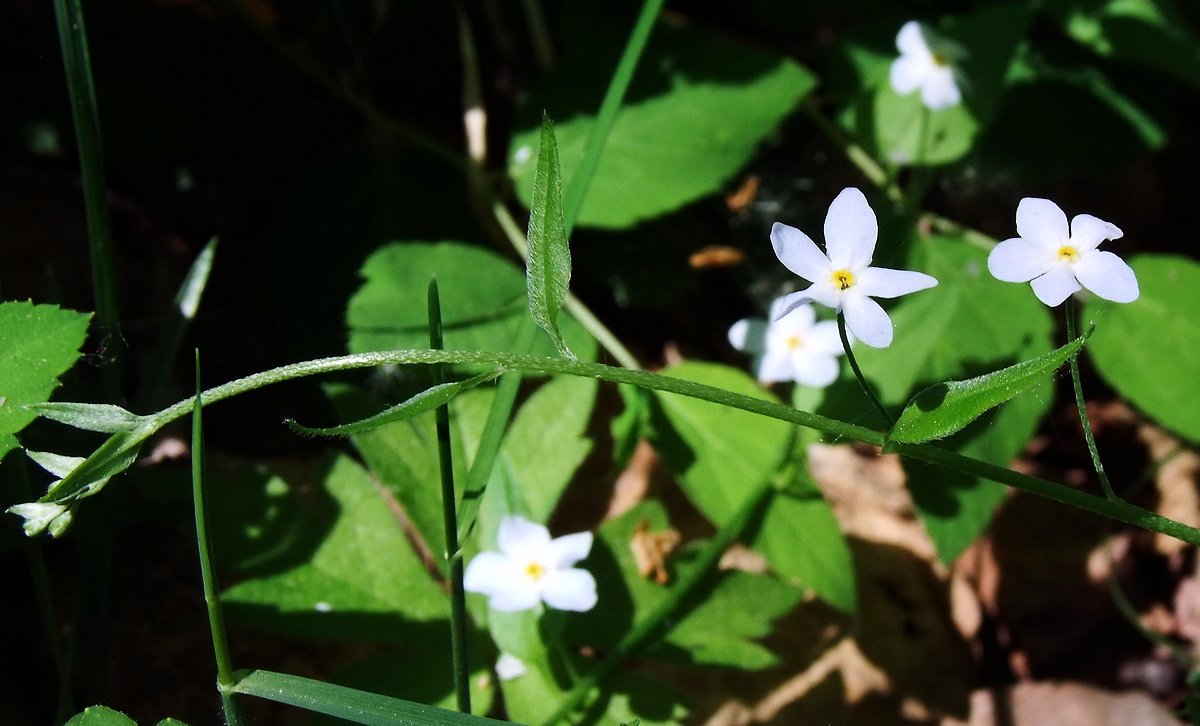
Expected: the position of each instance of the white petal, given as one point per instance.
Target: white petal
(1107, 275)
(518, 536)
(868, 321)
(824, 338)
(1087, 232)
(910, 40)
(572, 589)
(798, 252)
(489, 573)
(823, 294)
(749, 335)
(939, 90)
(1019, 260)
(1056, 285)
(37, 515)
(1040, 221)
(570, 548)
(850, 231)
(907, 72)
(775, 367)
(509, 666)
(885, 282)
(798, 319)
(815, 370)
(522, 594)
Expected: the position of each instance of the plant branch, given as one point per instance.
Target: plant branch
(1080, 404)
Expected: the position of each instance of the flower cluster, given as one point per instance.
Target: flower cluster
(793, 347)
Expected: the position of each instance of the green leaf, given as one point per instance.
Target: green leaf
(1150, 33)
(361, 580)
(1149, 350)
(100, 716)
(694, 115)
(549, 267)
(720, 455)
(348, 703)
(102, 417)
(718, 627)
(37, 344)
(423, 402)
(946, 408)
(483, 298)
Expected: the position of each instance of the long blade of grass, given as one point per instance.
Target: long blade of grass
(548, 272)
(458, 601)
(180, 316)
(212, 598)
(349, 703)
(72, 37)
(607, 115)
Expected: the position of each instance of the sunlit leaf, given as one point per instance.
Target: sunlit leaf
(549, 266)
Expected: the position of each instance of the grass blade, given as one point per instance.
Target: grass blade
(212, 599)
(549, 268)
(349, 703)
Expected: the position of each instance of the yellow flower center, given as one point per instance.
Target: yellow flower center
(793, 342)
(1067, 253)
(535, 571)
(940, 60)
(843, 279)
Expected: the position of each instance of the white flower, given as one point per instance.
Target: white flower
(793, 347)
(509, 666)
(531, 568)
(844, 279)
(1058, 260)
(919, 66)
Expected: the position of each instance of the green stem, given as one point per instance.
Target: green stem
(458, 602)
(862, 381)
(607, 115)
(212, 599)
(871, 169)
(667, 612)
(1113, 509)
(72, 37)
(1082, 406)
(539, 35)
(974, 237)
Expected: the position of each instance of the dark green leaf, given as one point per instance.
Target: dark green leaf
(549, 267)
(100, 716)
(423, 402)
(945, 408)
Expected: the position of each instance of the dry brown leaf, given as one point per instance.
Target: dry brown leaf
(1062, 704)
(651, 549)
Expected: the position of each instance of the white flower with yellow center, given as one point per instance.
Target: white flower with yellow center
(794, 347)
(1058, 260)
(919, 66)
(842, 277)
(531, 568)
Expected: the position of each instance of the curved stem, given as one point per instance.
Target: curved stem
(118, 445)
(1072, 333)
(862, 381)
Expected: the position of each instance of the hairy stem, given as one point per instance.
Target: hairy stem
(862, 381)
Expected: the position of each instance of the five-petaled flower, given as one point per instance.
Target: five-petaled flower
(844, 279)
(531, 568)
(794, 347)
(1058, 260)
(919, 66)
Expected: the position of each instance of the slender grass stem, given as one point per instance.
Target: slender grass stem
(117, 445)
(871, 169)
(458, 602)
(668, 611)
(1080, 404)
(607, 115)
(212, 598)
(72, 36)
(539, 34)
(862, 381)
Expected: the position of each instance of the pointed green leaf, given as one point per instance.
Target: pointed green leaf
(945, 408)
(549, 270)
(423, 402)
(37, 343)
(348, 703)
(102, 417)
(100, 716)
